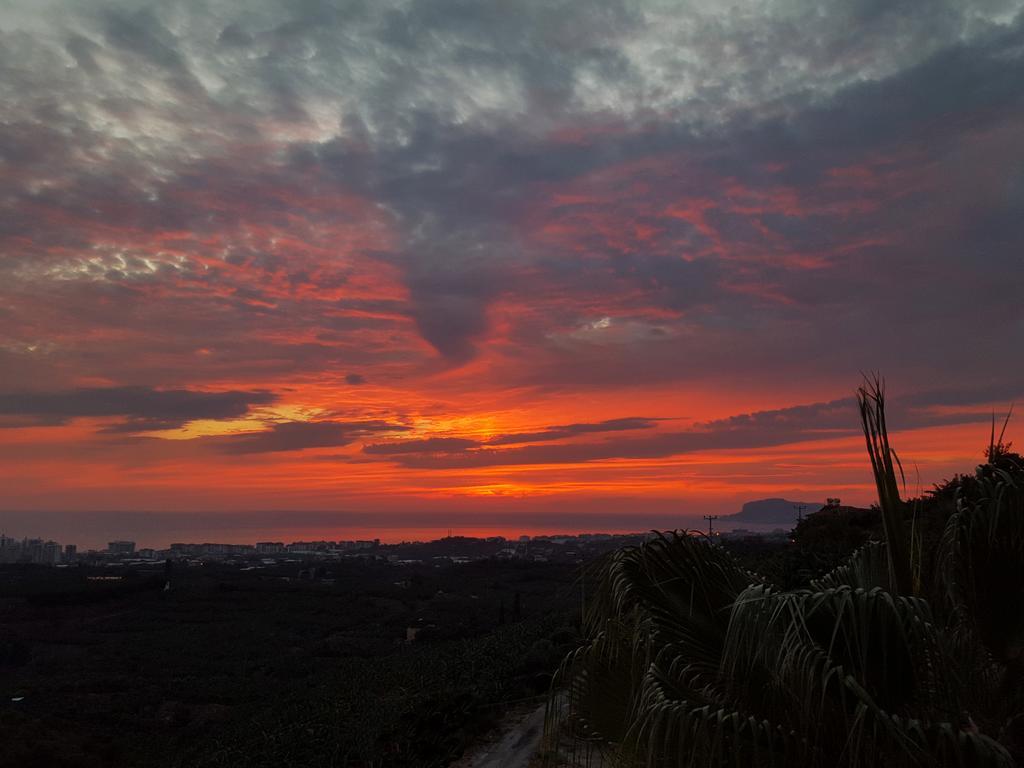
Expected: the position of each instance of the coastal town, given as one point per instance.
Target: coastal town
(565, 548)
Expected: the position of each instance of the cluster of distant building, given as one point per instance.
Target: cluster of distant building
(35, 551)
(264, 548)
(774, 536)
(45, 552)
(537, 548)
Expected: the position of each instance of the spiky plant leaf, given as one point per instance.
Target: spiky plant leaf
(692, 661)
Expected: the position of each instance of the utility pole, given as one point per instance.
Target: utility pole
(710, 519)
(799, 512)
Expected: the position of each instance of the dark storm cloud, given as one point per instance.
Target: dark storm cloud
(143, 34)
(459, 120)
(300, 435)
(234, 35)
(993, 392)
(84, 51)
(143, 407)
(451, 310)
(483, 179)
(929, 108)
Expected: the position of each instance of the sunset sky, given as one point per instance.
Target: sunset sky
(314, 268)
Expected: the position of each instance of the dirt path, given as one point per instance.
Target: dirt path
(515, 747)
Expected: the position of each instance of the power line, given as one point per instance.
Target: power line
(710, 519)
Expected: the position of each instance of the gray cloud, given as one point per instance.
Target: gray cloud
(571, 430)
(433, 445)
(300, 435)
(427, 445)
(472, 129)
(144, 408)
(761, 429)
(758, 430)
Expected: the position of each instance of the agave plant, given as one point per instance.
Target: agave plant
(690, 660)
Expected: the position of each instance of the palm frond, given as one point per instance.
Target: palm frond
(871, 400)
(692, 661)
(867, 567)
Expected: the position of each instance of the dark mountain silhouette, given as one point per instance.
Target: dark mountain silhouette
(770, 512)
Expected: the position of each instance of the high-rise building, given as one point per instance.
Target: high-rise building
(121, 547)
(10, 549)
(29, 551)
(50, 553)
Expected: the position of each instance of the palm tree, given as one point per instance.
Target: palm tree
(690, 660)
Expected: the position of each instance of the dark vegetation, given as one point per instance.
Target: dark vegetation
(820, 542)
(892, 636)
(258, 668)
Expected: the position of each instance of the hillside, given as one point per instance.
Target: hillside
(770, 512)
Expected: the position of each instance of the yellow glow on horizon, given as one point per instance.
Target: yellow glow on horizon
(262, 420)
